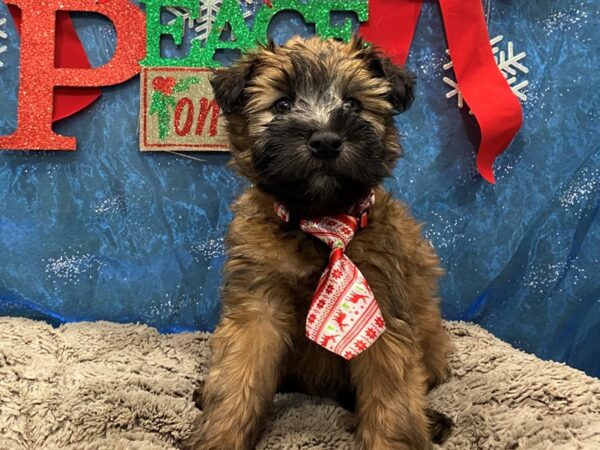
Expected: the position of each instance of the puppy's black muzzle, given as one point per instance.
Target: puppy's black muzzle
(325, 144)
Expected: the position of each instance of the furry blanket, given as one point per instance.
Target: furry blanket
(106, 386)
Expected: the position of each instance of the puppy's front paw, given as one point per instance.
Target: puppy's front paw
(379, 443)
(215, 437)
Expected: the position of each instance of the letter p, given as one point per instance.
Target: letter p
(39, 76)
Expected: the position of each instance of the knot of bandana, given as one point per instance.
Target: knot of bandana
(344, 316)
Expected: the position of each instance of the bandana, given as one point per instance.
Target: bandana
(344, 316)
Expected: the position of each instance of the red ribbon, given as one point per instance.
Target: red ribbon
(498, 112)
(391, 26)
(69, 54)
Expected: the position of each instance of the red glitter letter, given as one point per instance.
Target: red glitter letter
(189, 118)
(205, 108)
(39, 76)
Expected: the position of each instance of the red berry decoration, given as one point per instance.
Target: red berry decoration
(164, 85)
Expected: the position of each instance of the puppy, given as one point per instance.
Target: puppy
(311, 125)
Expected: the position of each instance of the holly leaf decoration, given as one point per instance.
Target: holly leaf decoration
(159, 105)
(156, 103)
(184, 84)
(170, 100)
(162, 99)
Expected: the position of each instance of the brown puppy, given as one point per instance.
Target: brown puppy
(311, 125)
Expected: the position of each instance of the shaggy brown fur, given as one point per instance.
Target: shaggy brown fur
(273, 268)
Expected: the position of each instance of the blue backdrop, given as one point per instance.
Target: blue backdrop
(107, 232)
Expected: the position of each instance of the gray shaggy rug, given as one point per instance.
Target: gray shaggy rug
(115, 387)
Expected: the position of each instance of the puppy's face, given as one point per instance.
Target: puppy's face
(311, 122)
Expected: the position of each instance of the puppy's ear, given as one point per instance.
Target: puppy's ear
(402, 81)
(229, 84)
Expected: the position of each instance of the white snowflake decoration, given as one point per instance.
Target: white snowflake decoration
(203, 24)
(3, 35)
(508, 63)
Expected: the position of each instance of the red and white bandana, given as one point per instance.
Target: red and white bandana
(344, 316)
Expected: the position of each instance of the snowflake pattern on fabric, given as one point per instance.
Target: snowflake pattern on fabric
(3, 35)
(209, 9)
(509, 63)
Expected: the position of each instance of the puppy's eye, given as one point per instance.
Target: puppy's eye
(282, 105)
(351, 104)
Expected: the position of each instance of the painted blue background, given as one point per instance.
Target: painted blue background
(107, 232)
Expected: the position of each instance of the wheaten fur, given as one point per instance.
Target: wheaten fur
(272, 268)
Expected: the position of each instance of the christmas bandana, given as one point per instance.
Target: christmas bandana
(344, 316)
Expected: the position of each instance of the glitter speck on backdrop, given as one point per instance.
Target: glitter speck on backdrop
(108, 232)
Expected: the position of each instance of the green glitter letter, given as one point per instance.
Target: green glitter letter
(320, 15)
(314, 11)
(229, 13)
(155, 29)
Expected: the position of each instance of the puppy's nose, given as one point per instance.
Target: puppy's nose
(325, 144)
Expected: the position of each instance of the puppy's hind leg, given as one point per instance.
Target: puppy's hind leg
(198, 395)
(440, 426)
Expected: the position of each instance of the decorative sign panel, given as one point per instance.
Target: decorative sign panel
(178, 111)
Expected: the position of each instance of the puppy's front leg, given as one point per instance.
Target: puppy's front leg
(390, 392)
(248, 347)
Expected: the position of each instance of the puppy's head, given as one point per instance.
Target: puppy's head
(311, 122)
